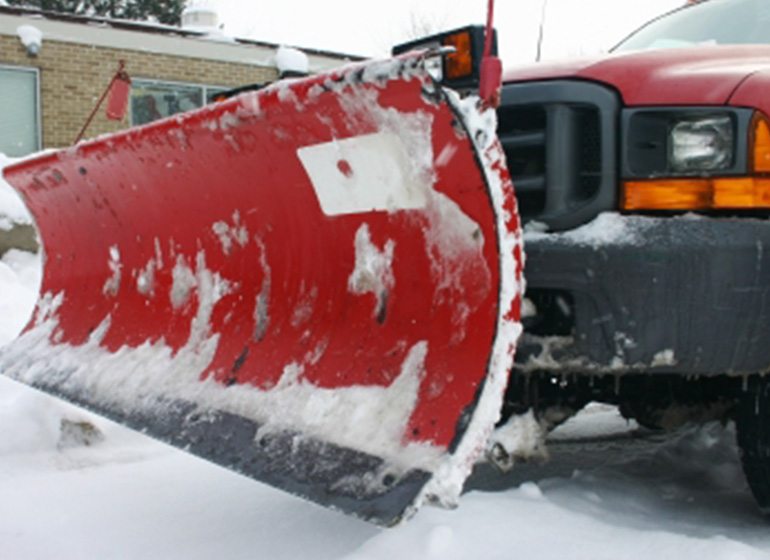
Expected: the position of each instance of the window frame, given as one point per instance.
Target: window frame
(38, 102)
(173, 83)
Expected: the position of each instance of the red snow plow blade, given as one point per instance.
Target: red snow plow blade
(315, 284)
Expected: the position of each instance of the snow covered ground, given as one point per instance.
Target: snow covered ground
(129, 497)
(610, 491)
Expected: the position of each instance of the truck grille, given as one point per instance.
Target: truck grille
(560, 140)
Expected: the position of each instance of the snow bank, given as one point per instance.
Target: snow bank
(29, 421)
(20, 274)
(630, 499)
(12, 209)
(680, 496)
(595, 420)
(32, 422)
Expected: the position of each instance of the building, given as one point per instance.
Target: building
(54, 68)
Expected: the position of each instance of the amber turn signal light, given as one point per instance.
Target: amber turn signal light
(459, 64)
(724, 193)
(760, 138)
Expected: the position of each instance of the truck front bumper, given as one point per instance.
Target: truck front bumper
(686, 295)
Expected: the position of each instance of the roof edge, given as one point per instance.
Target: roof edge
(160, 29)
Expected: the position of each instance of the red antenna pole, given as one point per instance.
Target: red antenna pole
(490, 28)
(491, 74)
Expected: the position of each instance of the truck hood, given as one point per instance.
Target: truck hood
(705, 75)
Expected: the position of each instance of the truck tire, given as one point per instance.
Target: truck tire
(752, 422)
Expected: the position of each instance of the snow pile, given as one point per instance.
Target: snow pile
(375, 418)
(595, 420)
(39, 430)
(12, 209)
(19, 281)
(31, 422)
(291, 60)
(521, 438)
(20, 272)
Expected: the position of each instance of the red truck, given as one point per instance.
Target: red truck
(319, 283)
(643, 181)
(643, 184)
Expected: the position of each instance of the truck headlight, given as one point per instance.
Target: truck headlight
(698, 159)
(703, 144)
(684, 141)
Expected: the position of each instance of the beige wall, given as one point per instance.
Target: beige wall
(73, 76)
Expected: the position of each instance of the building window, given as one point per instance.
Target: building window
(153, 100)
(213, 91)
(19, 111)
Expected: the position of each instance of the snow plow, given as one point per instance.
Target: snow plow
(316, 284)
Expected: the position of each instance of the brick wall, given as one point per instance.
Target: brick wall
(73, 76)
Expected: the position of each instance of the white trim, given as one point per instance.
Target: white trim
(38, 110)
(38, 103)
(102, 35)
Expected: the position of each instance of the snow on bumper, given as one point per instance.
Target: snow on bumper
(686, 295)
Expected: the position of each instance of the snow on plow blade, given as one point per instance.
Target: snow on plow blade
(316, 284)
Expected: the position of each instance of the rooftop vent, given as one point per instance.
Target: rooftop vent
(200, 16)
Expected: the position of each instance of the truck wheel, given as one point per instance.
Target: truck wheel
(752, 422)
